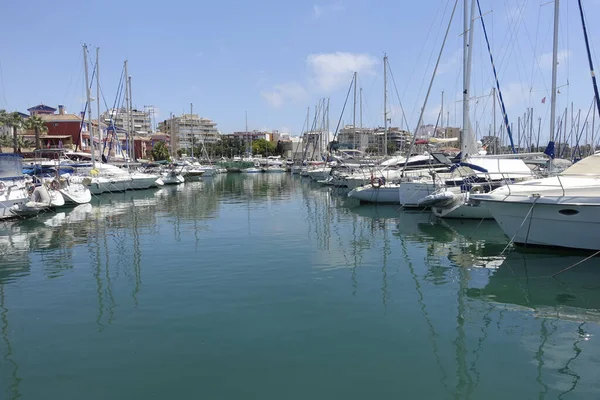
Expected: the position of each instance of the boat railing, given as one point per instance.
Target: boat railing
(556, 182)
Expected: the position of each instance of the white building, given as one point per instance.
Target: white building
(190, 130)
(142, 123)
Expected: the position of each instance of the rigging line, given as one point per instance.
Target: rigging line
(502, 105)
(520, 226)
(535, 60)
(576, 264)
(417, 62)
(430, 58)
(342, 113)
(397, 94)
(412, 144)
(2, 85)
(583, 127)
(513, 29)
(587, 45)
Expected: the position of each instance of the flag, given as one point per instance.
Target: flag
(544, 100)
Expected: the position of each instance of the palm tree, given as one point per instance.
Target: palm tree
(36, 124)
(3, 123)
(15, 121)
(160, 152)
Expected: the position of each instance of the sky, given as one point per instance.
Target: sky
(274, 59)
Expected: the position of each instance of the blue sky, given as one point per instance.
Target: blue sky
(274, 59)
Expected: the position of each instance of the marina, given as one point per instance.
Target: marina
(266, 202)
(274, 285)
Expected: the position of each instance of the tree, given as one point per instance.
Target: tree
(36, 124)
(392, 148)
(3, 123)
(160, 152)
(263, 146)
(15, 121)
(371, 150)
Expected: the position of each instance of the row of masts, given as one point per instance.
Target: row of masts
(128, 102)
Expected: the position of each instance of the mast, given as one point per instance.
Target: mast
(328, 124)
(467, 53)
(354, 113)
(385, 119)
(127, 95)
(98, 102)
(131, 120)
(494, 121)
(361, 112)
(587, 46)
(554, 67)
(89, 107)
(442, 111)
(192, 128)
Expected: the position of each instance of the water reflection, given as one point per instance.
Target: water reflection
(445, 292)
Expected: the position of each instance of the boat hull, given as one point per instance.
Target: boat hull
(379, 195)
(552, 224)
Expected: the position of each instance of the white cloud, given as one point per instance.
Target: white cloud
(545, 59)
(324, 9)
(450, 64)
(515, 94)
(329, 71)
(284, 92)
(317, 12)
(431, 114)
(285, 129)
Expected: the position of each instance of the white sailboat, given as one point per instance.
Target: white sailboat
(13, 189)
(559, 211)
(476, 172)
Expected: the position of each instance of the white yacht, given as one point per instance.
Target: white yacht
(559, 211)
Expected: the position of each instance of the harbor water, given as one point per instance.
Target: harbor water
(267, 286)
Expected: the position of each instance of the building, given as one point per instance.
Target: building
(189, 130)
(64, 129)
(397, 139)
(354, 138)
(372, 139)
(120, 118)
(71, 131)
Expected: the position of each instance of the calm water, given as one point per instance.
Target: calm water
(269, 287)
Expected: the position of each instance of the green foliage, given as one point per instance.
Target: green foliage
(227, 147)
(371, 150)
(15, 121)
(392, 148)
(36, 124)
(160, 152)
(264, 147)
(3, 118)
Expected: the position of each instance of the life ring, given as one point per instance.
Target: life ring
(55, 185)
(476, 189)
(2, 186)
(376, 182)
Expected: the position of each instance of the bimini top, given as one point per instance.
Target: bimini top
(588, 166)
(11, 165)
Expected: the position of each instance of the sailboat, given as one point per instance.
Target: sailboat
(476, 171)
(13, 186)
(104, 177)
(559, 211)
(256, 168)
